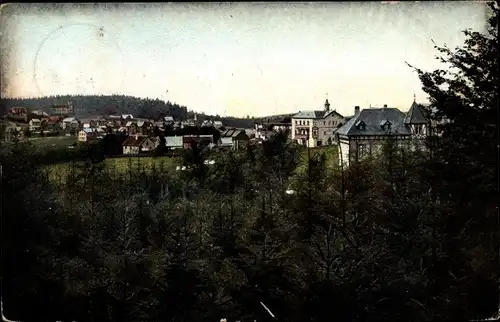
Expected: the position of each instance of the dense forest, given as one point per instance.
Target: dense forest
(93, 105)
(410, 235)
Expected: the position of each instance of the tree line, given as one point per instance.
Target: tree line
(411, 235)
(93, 105)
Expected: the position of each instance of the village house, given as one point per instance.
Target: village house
(69, 124)
(139, 126)
(136, 144)
(35, 125)
(168, 120)
(365, 133)
(52, 123)
(233, 138)
(88, 122)
(316, 128)
(114, 121)
(202, 139)
(87, 135)
(265, 130)
(211, 123)
(18, 114)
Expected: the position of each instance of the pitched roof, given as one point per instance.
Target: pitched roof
(173, 141)
(309, 115)
(416, 115)
(88, 130)
(53, 119)
(133, 140)
(373, 118)
(232, 133)
(332, 112)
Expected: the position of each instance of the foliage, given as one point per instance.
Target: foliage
(407, 236)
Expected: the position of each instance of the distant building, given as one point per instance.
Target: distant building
(87, 134)
(18, 114)
(316, 128)
(52, 123)
(35, 125)
(69, 125)
(136, 144)
(209, 123)
(265, 130)
(201, 140)
(63, 109)
(365, 133)
(234, 138)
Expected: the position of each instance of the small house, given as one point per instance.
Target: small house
(136, 144)
(69, 124)
(52, 123)
(88, 122)
(35, 125)
(87, 134)
(234, 138)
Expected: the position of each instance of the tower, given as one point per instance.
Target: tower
(327, 104)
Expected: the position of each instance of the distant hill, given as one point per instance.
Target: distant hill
(273, 117)
(93, 105)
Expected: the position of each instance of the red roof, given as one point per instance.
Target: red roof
(18, 110)
(53, 119)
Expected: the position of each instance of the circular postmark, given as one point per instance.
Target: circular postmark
(78, 58)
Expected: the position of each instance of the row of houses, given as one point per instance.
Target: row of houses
(230, 139)
(357, 136)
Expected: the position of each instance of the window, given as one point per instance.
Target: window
(307, 122)
(324, 132)
(324, 122)
(360, 125)
(362, 150)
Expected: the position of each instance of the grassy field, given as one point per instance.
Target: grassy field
(120, 166)
(52, 142)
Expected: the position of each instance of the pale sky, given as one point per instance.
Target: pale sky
(232, 59)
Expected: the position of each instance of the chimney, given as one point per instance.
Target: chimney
(356, 110)
(385, 105)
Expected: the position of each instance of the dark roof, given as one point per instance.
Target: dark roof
(132, 141)
(373, 118)
(309, 115)
(416, 115)
(232, 133)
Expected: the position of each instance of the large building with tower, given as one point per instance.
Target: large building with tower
(316, 127)
(365, 133)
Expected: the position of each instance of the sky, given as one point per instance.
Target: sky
(232, 59)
